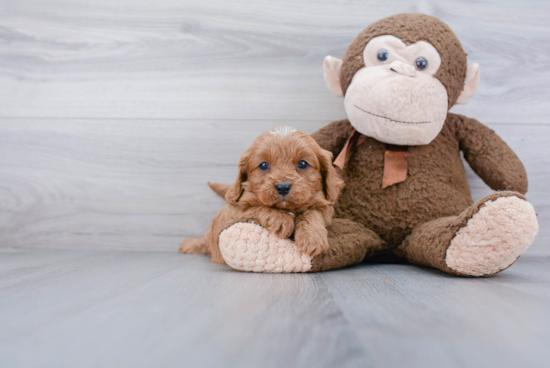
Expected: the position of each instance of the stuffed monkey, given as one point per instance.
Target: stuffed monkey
(406, 196)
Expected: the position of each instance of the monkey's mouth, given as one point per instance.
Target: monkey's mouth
(390, 119)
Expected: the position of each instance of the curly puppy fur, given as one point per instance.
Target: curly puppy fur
(305, 211)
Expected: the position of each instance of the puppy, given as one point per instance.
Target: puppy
(287, 183)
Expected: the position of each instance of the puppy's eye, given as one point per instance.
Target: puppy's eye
(264, 166)
(302, 164)
(421, 63)
(383, 55)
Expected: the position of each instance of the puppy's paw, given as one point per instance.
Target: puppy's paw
(193, 246)
(278, 222)
(311, 241)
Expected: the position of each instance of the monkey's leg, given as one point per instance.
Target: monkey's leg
(483, 240)
(349, 244)
(250, 247)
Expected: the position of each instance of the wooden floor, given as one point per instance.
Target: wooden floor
(115, 113)
(77, 308)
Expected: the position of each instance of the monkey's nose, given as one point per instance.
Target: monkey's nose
(402, 68)
(283, 188)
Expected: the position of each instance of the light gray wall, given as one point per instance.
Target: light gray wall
(114, 114)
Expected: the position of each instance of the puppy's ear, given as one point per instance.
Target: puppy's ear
(236, 190)
(332, 182)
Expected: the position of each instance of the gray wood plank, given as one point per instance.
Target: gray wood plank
(439, 320)
(243, 60)
(141, 184)
(147, 309)
(528, 277)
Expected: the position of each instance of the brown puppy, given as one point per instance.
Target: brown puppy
(287, 183)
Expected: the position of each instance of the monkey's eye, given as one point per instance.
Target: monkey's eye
(383, 55)
(421, 63)
(264, 166)
(302, 165)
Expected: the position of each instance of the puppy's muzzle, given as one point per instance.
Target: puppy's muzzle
(283, 188)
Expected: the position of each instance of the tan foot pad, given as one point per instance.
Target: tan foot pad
(493, 238)
(250, 247)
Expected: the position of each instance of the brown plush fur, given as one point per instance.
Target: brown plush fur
(305, 211)
(436, 190)
(414, 220)
(436, 184)
(350, 243)
(428, 243)
(411, 28)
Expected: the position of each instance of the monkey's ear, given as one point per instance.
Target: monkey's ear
(470, 84)
(331, 73)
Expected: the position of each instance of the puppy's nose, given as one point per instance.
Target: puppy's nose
(283, 188)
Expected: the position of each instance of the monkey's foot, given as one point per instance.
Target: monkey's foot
(251, 247)
(493, 238)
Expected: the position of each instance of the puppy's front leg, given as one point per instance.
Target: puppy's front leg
(311, 235)
(277, 221)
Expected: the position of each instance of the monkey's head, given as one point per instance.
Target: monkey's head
(400, 77)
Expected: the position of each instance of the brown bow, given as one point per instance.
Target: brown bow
(395, 159)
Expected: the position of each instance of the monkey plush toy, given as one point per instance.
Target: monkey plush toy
(406, 196)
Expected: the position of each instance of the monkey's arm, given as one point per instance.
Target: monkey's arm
(490, 157)
(333, 136)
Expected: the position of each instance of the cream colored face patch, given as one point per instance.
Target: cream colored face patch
(395, 98)
(397, 50)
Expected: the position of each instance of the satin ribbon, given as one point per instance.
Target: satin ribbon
(395, 159)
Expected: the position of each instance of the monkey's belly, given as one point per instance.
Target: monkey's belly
(395, 211)
(436, 186)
